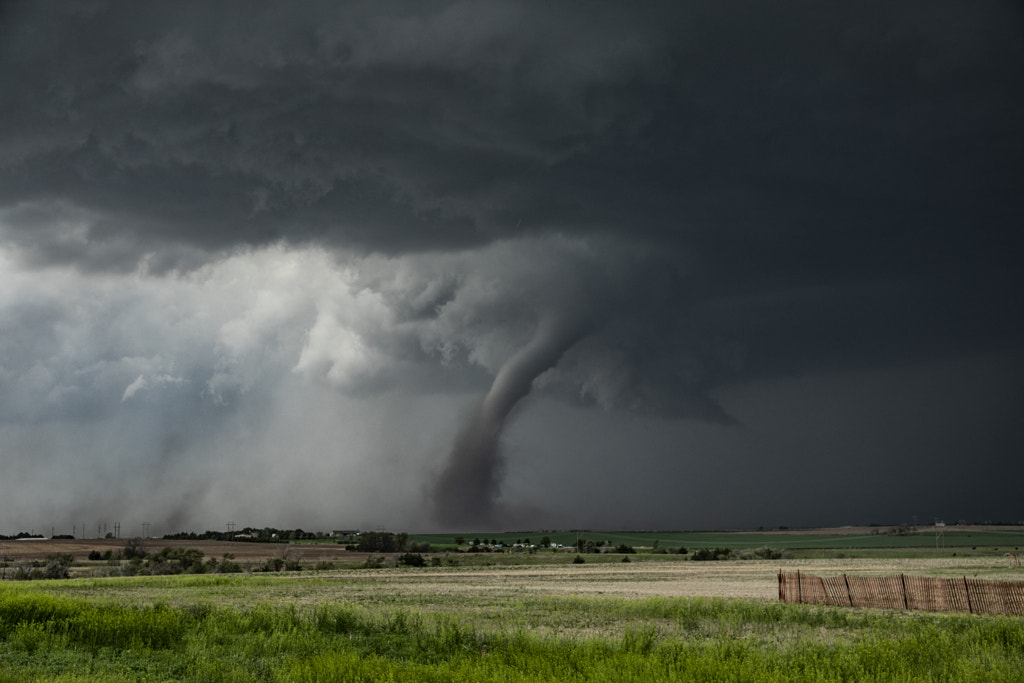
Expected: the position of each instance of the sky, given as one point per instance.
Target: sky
(502, 265)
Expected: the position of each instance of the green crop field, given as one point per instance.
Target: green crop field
(1006, 539)
(592, 622)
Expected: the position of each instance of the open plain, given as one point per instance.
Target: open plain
(487, 616)
(494, 576)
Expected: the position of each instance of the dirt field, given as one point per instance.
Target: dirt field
(37, 550)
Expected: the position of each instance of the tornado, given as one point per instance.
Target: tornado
(466, 491)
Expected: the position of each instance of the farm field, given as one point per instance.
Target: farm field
(441, 589)
(660, 619)
(1007, 538)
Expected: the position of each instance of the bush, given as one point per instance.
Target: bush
(26, 572)
(173, 561)
(95, 555)
(711, 554)
(625, 549)
(135, 547)
(578, 560)
(412, 560)
(57, 565)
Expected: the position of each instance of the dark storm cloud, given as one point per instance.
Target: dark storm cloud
(202, 204)
(788, 147)
(389, 129)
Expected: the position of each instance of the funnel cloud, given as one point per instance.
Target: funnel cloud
(468, 488)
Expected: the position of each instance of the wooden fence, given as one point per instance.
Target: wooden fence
(976, 596)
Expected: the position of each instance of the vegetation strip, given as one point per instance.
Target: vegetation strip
(90, 638)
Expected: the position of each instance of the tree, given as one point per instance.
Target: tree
(545, 542)
(135, 547)
(382, 542)
(459, 540)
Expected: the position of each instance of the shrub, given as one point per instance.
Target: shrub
(135, 547)
(625, 549)
(711, 554)
(578, 560)
(57, 565)
(412, 560)
(26, 572)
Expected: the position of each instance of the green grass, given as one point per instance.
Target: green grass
(125, 630)
(1004, 540)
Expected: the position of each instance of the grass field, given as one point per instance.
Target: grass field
(505, 617)
(662, 619)
(597, 622)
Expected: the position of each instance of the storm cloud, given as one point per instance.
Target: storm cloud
(500, 263)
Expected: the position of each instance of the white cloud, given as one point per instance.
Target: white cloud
(133, 388)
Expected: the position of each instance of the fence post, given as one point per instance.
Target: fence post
(967, 590)
(903, 582)
(799, 589)
(849, 595)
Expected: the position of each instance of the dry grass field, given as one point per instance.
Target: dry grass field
(434, 587)
(732, 579)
